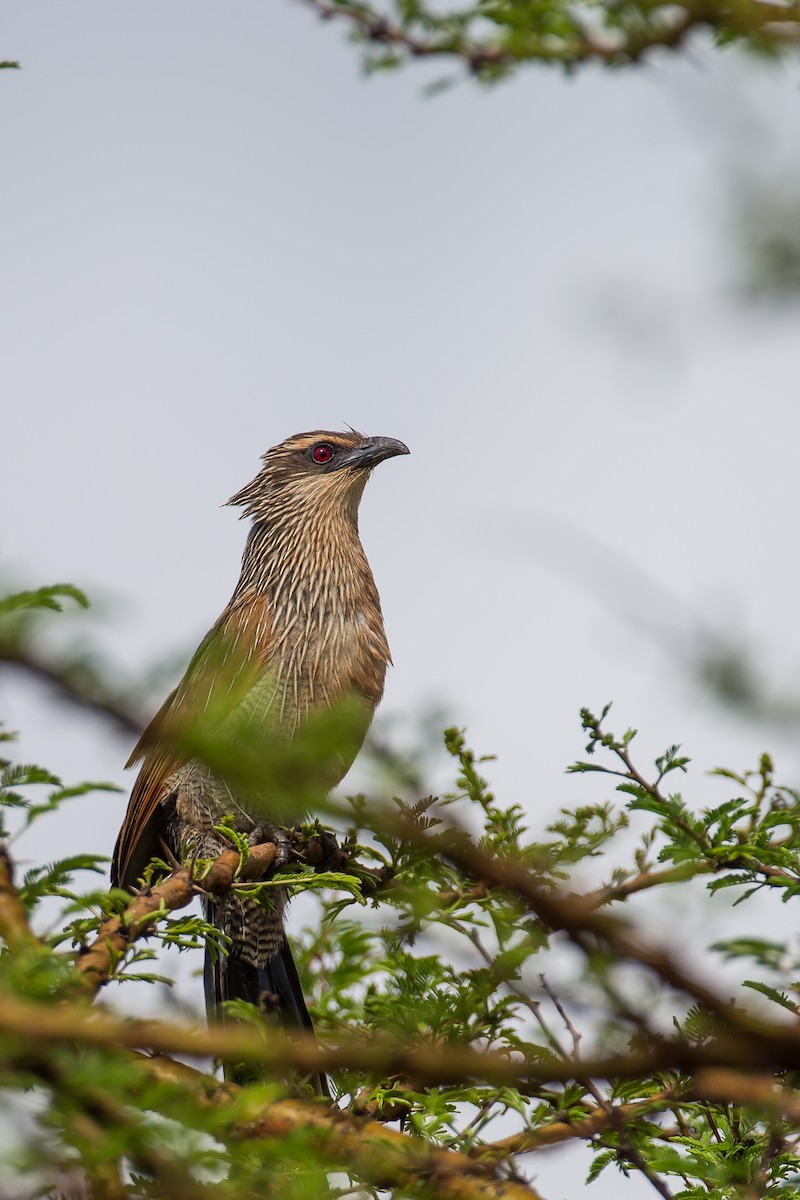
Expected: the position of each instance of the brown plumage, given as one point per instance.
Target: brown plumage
(302, 631)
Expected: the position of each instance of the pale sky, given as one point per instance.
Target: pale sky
(216, 232)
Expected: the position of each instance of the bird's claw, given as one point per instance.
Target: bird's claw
(333, 857)
(280, 839)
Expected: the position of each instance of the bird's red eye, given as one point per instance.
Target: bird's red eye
(322, 453)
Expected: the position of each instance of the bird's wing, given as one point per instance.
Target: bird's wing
(226, 665)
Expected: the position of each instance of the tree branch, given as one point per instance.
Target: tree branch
(14, 928)
(626, 36)
(598, 1120)
(775, 1048)
(574, 915)
(76, 684)
(95, 964)
(383, 1157)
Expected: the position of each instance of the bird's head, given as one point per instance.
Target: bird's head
(315, 472)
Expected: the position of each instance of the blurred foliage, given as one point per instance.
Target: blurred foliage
(494, 37)
(756, 212)
(768, 215)
(763, 199)
(480, 990)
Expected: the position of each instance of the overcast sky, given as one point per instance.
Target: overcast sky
(216, 232)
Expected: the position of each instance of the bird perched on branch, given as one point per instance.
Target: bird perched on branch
(302, 632)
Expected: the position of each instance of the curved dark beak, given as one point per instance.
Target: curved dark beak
(372, 451)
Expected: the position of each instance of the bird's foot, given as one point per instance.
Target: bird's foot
(281, 839)
(325, 853)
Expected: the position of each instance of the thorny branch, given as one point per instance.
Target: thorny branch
(96, 963)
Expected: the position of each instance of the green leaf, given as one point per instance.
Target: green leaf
(772, 994)
(44, 597)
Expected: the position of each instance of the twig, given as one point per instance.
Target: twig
(598, 1120)
(625, 1147)
(628, 1151)
(380, 29)
(644, 880)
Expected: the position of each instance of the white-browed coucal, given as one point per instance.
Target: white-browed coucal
(302, 631)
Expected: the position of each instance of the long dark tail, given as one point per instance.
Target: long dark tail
(273, 988)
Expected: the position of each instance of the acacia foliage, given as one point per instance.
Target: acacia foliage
(493, 38)
(482, 991)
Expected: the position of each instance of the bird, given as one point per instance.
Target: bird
(302, 632)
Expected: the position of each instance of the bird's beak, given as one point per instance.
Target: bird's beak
(372, 451)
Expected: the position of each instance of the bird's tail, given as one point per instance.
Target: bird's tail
(274, 988)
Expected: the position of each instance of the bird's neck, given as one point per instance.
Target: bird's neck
(317, 614)
(314, 561)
